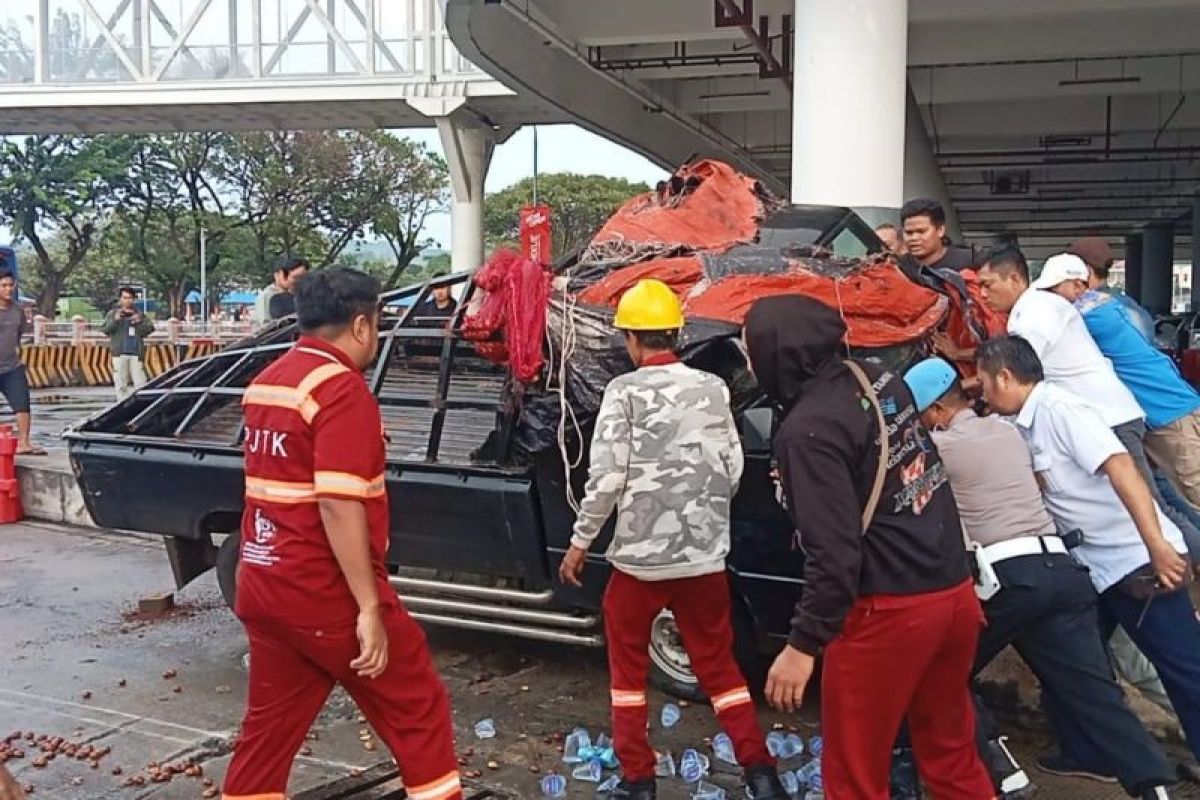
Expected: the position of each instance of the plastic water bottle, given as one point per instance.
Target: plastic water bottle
(574, 745)
(804, 774)
(722, 747)
(554, 786)
(793, 745)
(664, 765)
(774, 743)
(692, 766)
(485, 729)
(816, 786)
(707, 791)
(591, 772)
(604, 740)
(790, 784)
(815, 745)
(671, 714)
(609, 785)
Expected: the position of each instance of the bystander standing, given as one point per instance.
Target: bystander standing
(127, 328)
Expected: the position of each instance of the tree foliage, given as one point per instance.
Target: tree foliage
(96, 212)
(579, 206)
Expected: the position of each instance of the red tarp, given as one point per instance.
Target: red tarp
(518, 293)
(707, 205)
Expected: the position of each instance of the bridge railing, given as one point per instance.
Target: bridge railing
(66, 42)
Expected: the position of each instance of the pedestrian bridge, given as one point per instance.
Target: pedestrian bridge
(140, 66)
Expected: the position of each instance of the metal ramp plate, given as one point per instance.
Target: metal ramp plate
(383, 783)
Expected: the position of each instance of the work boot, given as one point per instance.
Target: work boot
(904, 783)
(762, 783)
(637, 790)
(1006, 773)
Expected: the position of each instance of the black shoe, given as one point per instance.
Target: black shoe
(903, 781)
(1155, 793)
(636, 790)
(1058, 764)
(1010, 780)
(762, 783)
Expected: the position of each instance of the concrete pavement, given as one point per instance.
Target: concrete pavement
(77, 663)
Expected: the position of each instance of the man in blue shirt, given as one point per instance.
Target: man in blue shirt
(1172, 406)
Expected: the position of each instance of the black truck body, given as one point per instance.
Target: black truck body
(477, 533)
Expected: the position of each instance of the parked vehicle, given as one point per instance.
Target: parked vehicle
(478, 530)
(1178, 335)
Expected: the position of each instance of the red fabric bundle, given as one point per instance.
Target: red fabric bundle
(681, 274)
(518, 293)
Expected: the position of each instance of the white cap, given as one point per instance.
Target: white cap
(1060, 268)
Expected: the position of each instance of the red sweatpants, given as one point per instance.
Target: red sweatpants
(292, 671)
(898, 655)
(701, 609)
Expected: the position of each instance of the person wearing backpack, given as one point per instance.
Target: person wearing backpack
(888, 598)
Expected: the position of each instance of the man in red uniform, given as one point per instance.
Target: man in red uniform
(312, 583)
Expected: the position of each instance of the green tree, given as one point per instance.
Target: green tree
(579, 205)
(61, 187)
(418, 186)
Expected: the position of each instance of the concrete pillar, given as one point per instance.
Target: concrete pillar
(922, 176)
(1133, 266)
(1158, 260)
(848, 103)
(1196, 252)
(468, 146)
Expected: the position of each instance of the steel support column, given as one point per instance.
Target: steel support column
(1133, 266)
(1158, 263)
(468, 146)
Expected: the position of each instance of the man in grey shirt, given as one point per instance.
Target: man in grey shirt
(13, 383)
(1046, 606)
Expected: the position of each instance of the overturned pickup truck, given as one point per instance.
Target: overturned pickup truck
(488, 434)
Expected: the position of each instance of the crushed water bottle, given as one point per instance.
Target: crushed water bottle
(554, 786)
(609, 785)
(485, 729)
(605, 755)
(671, 715)
(603, 741)
(722, 747)
(816, 787)
(664, 765)
(692, 766)
(791, 746)
(575, 745)
(804, 774)
(706, 791)
(815, 745)
(790, 784)
(591, 772)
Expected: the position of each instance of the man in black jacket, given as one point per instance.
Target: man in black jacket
(893, 609)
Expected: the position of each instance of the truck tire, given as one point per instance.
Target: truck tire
(227, 560)
(671, 670)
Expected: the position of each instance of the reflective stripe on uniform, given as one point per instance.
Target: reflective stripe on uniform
(348, 484)
(731, 698)
(279, 491)
(268, 796)
(298, 398)
(626, 698)
(444, 787)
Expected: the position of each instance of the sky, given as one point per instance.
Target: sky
(561, 148)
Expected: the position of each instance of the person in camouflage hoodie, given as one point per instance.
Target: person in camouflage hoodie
(666, 455)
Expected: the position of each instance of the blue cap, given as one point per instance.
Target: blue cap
(929, 380)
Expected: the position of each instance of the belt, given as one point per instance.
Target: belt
(1023, 546)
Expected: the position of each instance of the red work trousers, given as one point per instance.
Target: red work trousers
(293, 670)
(903, 655)
(701, 609)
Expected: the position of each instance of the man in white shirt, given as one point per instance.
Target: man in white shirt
(1044, 604)
(1132, 551)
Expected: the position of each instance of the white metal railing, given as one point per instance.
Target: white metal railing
(65, 42)
(44, 331)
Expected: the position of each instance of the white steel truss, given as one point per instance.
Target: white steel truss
(70, 42)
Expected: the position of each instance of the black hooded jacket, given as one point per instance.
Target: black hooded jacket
(827, 447)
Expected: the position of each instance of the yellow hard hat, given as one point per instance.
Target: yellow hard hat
(649, 305)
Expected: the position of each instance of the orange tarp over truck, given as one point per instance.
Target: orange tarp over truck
(881, 306)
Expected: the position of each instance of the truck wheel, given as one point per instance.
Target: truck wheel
(671, 669)
(227, 560)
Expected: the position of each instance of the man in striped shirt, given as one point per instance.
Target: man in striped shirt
(312, 585)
